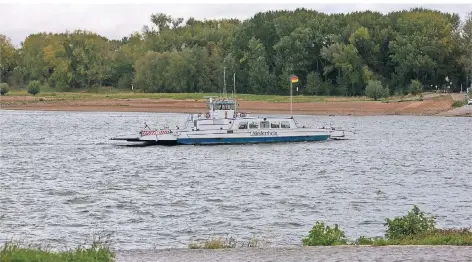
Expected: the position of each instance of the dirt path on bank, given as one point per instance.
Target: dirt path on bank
(431, 105)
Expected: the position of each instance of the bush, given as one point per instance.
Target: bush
(415, 87)
(414, 223)
(34, 87)
(61, 86)
(364, 241)
(321, 235)
(3, 88)
(125, 82)
(214, 243)
(459, 103)
(375, 90)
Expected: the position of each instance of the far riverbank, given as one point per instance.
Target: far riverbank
(430, 105)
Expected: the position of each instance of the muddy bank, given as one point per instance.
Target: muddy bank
(428, 107)
(433, 104)
(299, 254)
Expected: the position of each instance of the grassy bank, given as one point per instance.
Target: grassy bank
(459, 103)
(11, 252)
(51, 95)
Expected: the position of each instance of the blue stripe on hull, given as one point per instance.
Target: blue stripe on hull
(246, 140)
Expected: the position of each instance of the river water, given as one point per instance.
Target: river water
(62, 180)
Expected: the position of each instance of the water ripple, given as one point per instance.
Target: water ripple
(70, 181)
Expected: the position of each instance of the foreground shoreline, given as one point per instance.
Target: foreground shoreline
(319, 253)
(426, 107)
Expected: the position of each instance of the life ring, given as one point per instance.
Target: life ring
(207, 115)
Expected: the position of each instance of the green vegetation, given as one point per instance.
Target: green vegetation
(332, 54)
(414, 223)
(49, 94)
(321, 235)
(225, 242)
(459, 103)
(34, 87)
(415, 228)
(375, 90)
(415, 87)
(214, 243)
(16, 253)
(4, 88)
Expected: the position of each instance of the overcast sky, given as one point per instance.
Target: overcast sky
(114, 21)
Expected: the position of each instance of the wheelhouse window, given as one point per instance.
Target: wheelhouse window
(264, 124)
(223, 106)
(275, 124)
(254, 125)
(285, 124)
(242, 125)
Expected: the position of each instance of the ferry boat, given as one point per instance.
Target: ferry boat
(223, 124)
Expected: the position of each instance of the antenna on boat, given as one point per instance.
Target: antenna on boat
(234, 91)
(224, 81)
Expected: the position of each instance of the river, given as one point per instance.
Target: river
(63, 180)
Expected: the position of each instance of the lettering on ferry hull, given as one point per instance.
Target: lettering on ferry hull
(263, 133)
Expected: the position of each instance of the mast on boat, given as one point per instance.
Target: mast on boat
(224, 81)
(234, 91)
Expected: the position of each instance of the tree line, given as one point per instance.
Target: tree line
(332, 54)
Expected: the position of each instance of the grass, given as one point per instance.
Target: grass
(49, 94)
(225, 242)
(11, 252)
(97, 251)
(415, 228)
(214, 243)
(455, 237)
(459, 103)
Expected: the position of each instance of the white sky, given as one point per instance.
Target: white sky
(115, 20)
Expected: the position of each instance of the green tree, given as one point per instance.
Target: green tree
(346, 51)
(8, 58)
(466, 48)
(260, 78)
(314, 84)
(415, 87)
(375, 90)
(34, 87)
(3, 88)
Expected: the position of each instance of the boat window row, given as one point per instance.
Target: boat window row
(223, 107)
(264, 124)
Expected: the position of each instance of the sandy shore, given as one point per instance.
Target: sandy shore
(433, 105)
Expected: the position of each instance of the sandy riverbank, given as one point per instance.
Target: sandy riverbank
(431, 105)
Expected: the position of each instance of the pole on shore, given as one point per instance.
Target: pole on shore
(291, 96)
